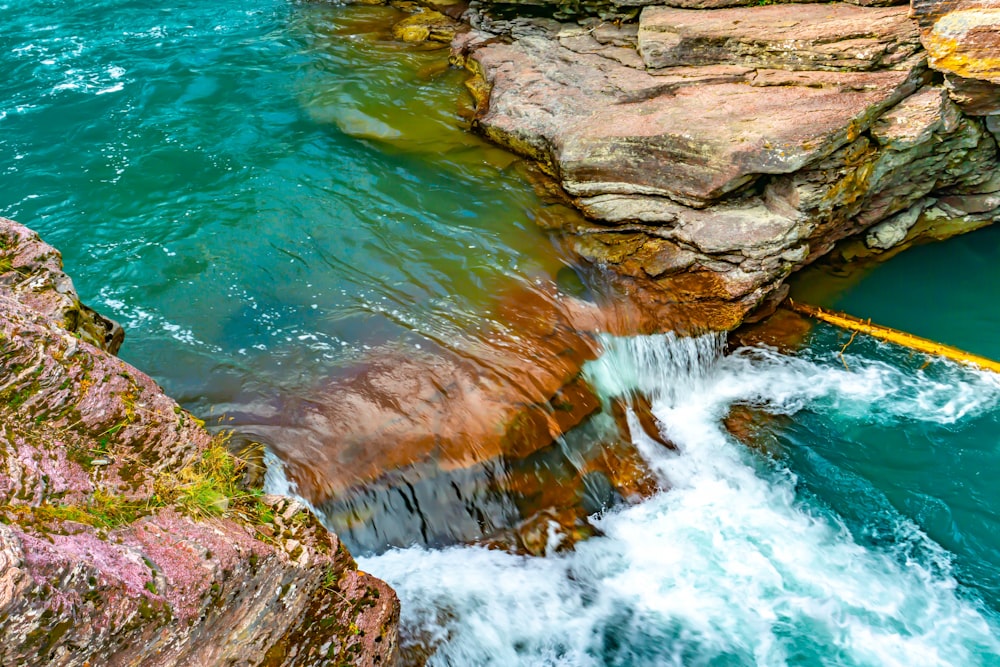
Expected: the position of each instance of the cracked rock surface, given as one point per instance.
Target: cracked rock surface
(95, 567)
(716, 150)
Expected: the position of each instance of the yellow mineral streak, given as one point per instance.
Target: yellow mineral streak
(892, 335)
(952, 48)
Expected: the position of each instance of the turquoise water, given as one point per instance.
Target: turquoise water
(255, 189)
(940, 476)
(264, 191)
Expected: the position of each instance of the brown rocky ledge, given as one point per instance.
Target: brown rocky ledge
(716, 150)
(126, 535)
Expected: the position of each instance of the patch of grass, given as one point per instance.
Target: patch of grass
(210, 487)
(104, 510)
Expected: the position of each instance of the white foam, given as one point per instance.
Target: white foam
(729, 566)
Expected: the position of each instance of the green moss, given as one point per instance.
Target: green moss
(211, 487)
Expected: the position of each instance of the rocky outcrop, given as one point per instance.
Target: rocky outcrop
(716, 151)
(837, 37)
(126, 536)
(619, 9)
(962, 38)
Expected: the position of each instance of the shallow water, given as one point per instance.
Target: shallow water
(256, 190)
(263, 192)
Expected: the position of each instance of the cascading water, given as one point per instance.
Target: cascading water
(734, 564)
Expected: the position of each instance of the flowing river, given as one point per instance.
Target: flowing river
(264, 192)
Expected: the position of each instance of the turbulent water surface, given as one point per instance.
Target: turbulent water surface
(263, 191)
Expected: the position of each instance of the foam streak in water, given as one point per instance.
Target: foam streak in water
(729, 566)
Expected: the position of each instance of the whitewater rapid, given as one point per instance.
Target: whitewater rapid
(731, 566)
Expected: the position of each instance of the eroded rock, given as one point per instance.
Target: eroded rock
(793, 36)
(119, 545)
(746, 144)
(962, 38)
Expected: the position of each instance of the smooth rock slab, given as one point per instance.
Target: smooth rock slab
(794, 36)
(603, 128)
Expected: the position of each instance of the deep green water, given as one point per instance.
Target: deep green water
(261, 191)
(942, 476)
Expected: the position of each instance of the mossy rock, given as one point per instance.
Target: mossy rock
(426, 26)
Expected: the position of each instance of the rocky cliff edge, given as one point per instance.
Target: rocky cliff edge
(716, 148)
(127, 533)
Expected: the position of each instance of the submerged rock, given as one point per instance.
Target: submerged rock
(719, 150)
(506, 392)
(125, 538)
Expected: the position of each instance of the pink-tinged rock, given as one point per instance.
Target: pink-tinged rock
(80, 431)
(603, 128)
(794, 36)
(169, 590)
(962, 38)
(31, 271)
(750, 146)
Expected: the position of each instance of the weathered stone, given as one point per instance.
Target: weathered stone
(891, 232)
(608, 129)
(97, 569)
(794, 36)
(31, 271)
(673, 163)
(712, 191)
(617, 9)
(427, 25)
(962, 38)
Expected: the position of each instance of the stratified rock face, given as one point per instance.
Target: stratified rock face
(718, 150)
(962, 38)
(803, 37)
(94, 568)
(615, 9)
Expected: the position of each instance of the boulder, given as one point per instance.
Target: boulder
(744, 144)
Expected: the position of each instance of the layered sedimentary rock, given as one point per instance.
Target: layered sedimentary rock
(715, 151)
(114, 549)
(962, 38)
(619, 9)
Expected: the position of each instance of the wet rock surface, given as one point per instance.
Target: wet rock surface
(506, 392)
(715, 151)
(117, 544)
